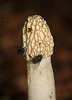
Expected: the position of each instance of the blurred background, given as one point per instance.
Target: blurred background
(13, 73)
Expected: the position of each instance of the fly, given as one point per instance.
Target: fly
(37, 59)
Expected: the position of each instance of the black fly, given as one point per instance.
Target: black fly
(20, 51)
(37, 59)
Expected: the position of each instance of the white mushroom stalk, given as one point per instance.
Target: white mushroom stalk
(38, 44)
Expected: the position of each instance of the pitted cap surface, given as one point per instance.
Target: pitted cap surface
(37, 38)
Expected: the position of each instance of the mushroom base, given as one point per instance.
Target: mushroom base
(41, 85)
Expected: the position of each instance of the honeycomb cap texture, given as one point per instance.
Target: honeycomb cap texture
(37, 38)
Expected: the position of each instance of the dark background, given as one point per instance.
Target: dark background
(13, 74)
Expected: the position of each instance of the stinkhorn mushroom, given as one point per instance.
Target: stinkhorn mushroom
(38, 46)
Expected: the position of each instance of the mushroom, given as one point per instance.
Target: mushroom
(38, 44)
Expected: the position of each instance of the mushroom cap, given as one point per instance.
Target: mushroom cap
(37, 38)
